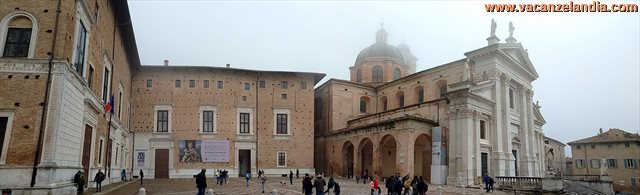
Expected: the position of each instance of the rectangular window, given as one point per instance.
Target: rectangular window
(100, 151)
(595, 163)
(384, 105)
(4, 124)
(244, 98)
(303, 85)
(119, 104)
(579, 163)
(633, 181)
(284, 96)
(578, 146)
(81, 45)
(149, 83)
(247, 86)
(421, 96)
(612, 163)
(207, 121)
(401, 101)
(284, 84)
(511, 101)
(483, 130)
(205, 84)
(630, 163)
(17, 42)
(90, 76)
(262, 84)
(282, 159)
(244, 123)
(163, 121)
(363, 105)
(105, 85)
(192, 83)
(281, 124)
(178, 83)
(220, 84)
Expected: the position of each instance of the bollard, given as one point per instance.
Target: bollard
(142, 191)
(274, 192)
(73, 190)
(439, 190)
(209, 191)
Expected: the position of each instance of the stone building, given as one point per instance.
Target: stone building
(60, 61)
(614, 152)
(554, 155)
(235, 119)
(449, 123)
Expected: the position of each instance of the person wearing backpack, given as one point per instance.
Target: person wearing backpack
(247, 176)
(330, 185)
(98, 179)
(307, 186)
(336, 189)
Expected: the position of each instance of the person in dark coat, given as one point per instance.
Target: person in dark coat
(297, 174)
(98, 179)
(201, 182)
(291, 177)
(491, 184)
(336, 189)
(485, 180)
(397, 186)
(389, 184)
(307, 186)
(422, 186)
(141, 176)
(79, 180)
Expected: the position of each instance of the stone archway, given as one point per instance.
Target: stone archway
(347, 159)
(365, 151)
(388, 154)
(422, 157)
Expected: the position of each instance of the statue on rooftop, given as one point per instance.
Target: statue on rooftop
(494, 25)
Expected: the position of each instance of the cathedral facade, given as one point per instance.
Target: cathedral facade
(450, 123)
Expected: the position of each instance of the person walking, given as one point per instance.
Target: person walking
(123, 175)
(319, 185)
(491, 184)
(291, 178)
(397, 186)
(141, 176)
(414, 185)
(422, 186)
(485, 180)
(406, 180)
(297, 174)
(201, 182)
(247, 176)
(263, 179)
(79, 180)
(98, 179)
(330, 186)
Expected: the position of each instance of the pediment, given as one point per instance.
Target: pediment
(521, 57)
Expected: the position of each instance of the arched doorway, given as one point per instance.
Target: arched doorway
(366, 155)
(422, 157)
(347, 159)
(388, 153)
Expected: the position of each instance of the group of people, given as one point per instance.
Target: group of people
(222, 176)
(79, 179)
(397, 185)
(488, 182)
(308, 183)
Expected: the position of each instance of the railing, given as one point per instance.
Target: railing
(519, 183)
(587, 178)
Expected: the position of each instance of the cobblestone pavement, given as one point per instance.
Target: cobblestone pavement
(237, 186)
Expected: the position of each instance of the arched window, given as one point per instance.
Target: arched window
(359, 76)
(419, 91)
(396, 73)
(18, 33)
(384, 103)
(363, 104)
(400, 97)
(377, 74)
(442, 87)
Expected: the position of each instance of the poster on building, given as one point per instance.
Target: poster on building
(215, 151)
(436, 153)
(140, 159)
(190, 151)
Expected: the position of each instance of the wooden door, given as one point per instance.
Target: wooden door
(162, 163)
(86, 150)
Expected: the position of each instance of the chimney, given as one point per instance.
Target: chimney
(600, 130)
(228, 65)
(166, 62)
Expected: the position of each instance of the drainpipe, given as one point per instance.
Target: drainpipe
(257, 118)
(43, 118)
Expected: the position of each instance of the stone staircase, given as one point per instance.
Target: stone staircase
(575, 188)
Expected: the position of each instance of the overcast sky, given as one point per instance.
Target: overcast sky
(588, 62)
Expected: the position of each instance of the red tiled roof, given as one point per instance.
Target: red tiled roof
(612, 135)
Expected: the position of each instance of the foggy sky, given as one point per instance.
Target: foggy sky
(588, 62)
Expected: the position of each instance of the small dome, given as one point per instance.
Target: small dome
(380, 50)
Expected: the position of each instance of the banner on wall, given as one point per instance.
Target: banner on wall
(215, 151)
(140, 159)
(190, 151)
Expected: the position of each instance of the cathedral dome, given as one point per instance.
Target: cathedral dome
(380, 49)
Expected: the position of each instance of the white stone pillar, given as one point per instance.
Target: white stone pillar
(498, 153)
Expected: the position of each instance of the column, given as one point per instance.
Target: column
(498, 158)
